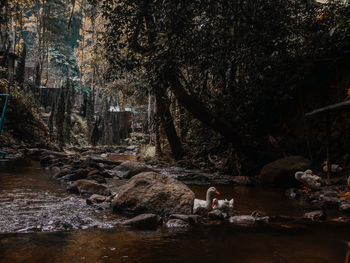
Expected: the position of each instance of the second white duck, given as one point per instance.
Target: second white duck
(223, 204)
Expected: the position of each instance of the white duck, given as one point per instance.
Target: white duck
(207, 202)
(308, 179)
(223, 204)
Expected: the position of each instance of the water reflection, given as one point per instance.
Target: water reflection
(205, 244)
(31, 201)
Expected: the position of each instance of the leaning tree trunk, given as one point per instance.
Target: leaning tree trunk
(201, 112)
(168, 124)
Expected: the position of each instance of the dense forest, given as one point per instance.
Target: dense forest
(246, 92)
(219, 82)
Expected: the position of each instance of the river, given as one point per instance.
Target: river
(41, 222)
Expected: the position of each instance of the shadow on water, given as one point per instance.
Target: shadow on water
(208, 244)
(31, 201)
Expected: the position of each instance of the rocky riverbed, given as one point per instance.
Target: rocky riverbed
(100, 176)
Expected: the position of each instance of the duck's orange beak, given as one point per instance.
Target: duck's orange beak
(217, 192)
(212, 204)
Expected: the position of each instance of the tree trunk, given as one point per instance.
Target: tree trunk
(168, 124)
(200, 112)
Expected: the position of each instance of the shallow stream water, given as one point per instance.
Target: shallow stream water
(41, 222)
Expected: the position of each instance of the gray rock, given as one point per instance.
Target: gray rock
(129, 169)
(192, 219)
(70, 177)
(177, 223)
(202, 211)
(97, 177)
(345, 207)
(331, 202)
(281, 172)
(144, 221)
(112, 174)
(242, 220)
(216, 215)
(87, 187)
(108, 174)
(97, 199)
(262, 219)
(131, 148)
(63, 172)
(151, 192)
(318, 215)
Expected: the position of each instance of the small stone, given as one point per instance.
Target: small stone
(215, 214)
(202, 211)
(187, 218)
(318, 215)
(331, 202)
(262, 219)
(242, 220)
(95, 198)
(177, 223)
(144, 221)
(88, 187)
(345, 207)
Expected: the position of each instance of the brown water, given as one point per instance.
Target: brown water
(30, 200)
(36, 213)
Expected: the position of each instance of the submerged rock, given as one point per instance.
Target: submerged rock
(144, 221)
(88, 187)
(242, 220)
(177, 223)
(318, 215)
(216, 214)
(281, 172)
(345, 207)
(151, 192)
(192, 219)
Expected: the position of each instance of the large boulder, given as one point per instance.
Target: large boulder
(282, 172)
(88, 187)
(150, 192)
(128, 169)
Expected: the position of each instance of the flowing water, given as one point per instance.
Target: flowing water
(41, 222)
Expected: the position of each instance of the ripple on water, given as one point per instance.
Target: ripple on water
(31, 201)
